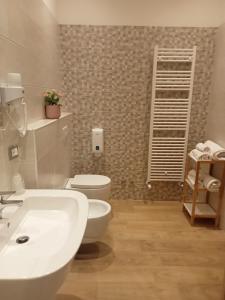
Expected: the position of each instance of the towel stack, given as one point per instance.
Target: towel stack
(211, 183)
(217, 152)
(202, 147)
(208, 150)
(199, 155)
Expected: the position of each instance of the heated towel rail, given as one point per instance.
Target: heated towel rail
(172, 86)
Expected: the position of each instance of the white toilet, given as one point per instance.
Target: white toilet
(97, 189)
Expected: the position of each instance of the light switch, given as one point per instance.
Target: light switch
(13, 151)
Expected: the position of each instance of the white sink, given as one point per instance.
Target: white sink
(55, 222)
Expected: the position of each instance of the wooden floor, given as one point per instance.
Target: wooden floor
(149, 253)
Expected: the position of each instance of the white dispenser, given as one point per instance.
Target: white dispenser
(97, 140)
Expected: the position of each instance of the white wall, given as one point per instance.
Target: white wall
(223, 8)
(36, 59)
(216, 116)
(41, 165)
(51, 4)
(198, 13)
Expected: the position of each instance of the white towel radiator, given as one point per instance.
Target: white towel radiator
(172, 86)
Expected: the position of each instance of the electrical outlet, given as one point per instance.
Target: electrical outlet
(13, 151)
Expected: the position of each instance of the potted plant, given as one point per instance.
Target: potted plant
(52, 105)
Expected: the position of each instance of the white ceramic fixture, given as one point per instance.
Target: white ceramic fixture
(98, 218)
(93, 186)
(97, 189)
(55, 222)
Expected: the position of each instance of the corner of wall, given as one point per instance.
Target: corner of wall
(215, 119)
(51, 5)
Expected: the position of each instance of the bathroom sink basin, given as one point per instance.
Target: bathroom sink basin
(54, 222)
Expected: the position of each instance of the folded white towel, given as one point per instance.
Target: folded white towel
(211, 183)
(198, 155)
(218, 152)
(202, 147)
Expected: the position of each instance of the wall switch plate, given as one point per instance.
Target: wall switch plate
(13, 151)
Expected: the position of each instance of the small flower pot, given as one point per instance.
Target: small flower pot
(52, 111)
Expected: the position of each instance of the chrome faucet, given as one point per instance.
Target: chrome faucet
(4, 202)
(8, 202)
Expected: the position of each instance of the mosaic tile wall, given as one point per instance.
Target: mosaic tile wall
(107, 74)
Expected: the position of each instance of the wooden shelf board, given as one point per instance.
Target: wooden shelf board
(210, 161)
(202, 210)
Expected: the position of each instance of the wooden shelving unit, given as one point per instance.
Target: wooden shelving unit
(197, 209)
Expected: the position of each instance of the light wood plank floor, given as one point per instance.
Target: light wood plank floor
(149, 253)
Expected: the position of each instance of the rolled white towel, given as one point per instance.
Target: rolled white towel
(191, 178)
(218, 152)
(211, 183)
(202, 147)
(198, 155)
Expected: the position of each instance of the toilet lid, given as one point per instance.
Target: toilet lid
(90, 181)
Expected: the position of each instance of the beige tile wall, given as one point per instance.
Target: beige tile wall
(107, 74)
(28, 45)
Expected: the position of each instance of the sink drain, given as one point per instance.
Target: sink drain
(22, 239)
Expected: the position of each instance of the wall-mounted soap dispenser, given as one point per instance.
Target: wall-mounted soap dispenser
(97, 140)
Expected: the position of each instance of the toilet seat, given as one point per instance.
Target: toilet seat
(90, 181)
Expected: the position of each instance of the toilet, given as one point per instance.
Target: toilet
(97, 189)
